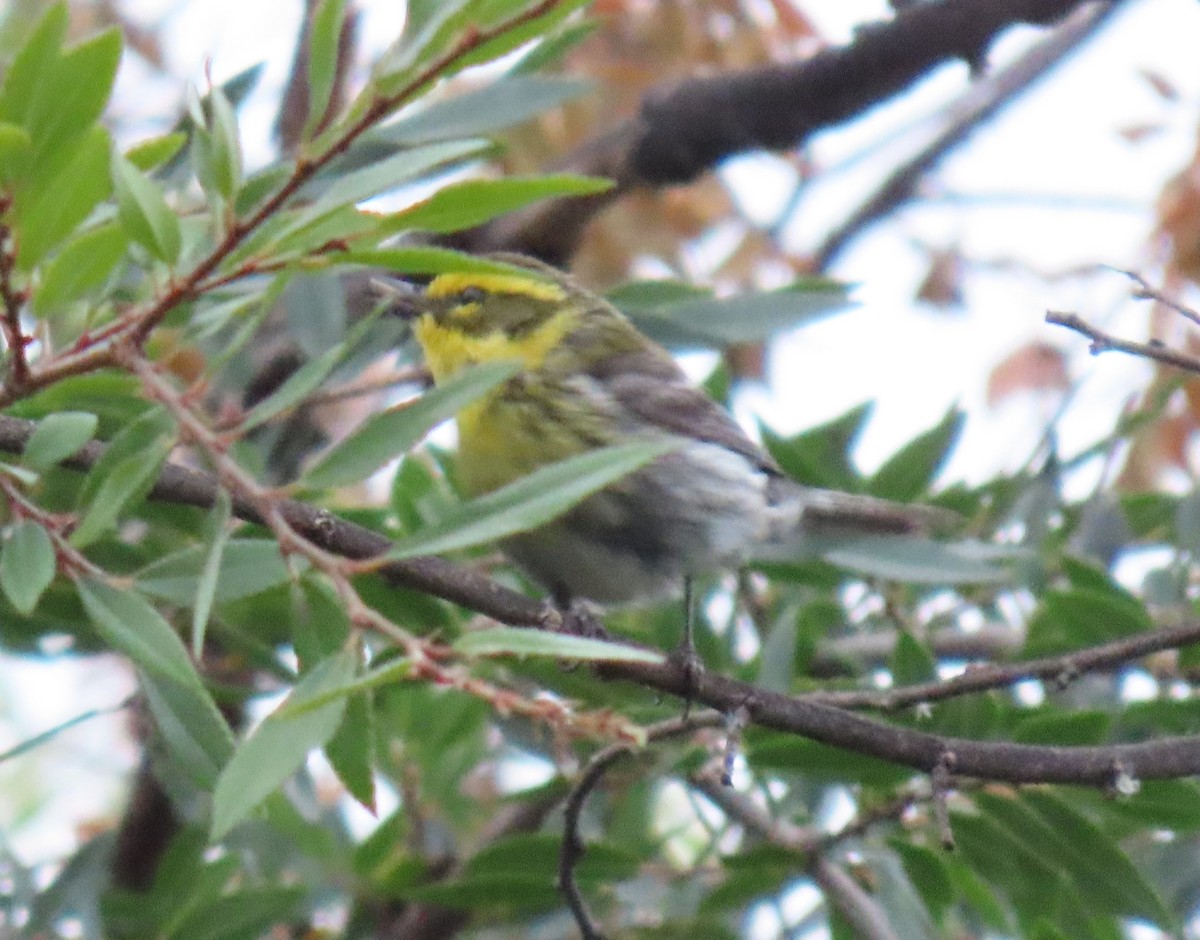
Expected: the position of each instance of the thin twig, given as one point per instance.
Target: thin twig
(1058, 668)
(1104, 342)
(977, 106)
(1146, 292)
(11, 301)
(573, 848)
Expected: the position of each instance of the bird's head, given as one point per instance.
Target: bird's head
(464, 318)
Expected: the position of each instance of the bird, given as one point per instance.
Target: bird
(587, 379)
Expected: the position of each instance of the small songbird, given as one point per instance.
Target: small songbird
(590, 379)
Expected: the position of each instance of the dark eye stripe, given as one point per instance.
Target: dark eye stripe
(472, 295)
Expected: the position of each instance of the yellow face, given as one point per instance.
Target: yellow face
(471, 318)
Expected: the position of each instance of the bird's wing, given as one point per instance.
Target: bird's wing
(649, 385)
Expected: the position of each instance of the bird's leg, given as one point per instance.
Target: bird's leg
(580, 617)
(686, 655)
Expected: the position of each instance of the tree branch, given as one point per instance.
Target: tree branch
(1105, 342)
(687, 130)
(977, 106)
(828, 724)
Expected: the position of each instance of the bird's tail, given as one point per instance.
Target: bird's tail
(827, 512)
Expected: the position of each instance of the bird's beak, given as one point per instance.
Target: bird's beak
(400, 298)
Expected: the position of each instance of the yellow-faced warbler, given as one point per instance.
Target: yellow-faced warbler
(590, 379)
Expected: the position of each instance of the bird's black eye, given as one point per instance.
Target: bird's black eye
(472, 295)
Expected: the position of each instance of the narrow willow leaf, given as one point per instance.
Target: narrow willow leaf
(29, 67)
(426, 259)
(518, 642)
(351, 751)
(473, 202)
(27, 565)
(16, 150)
(128, 482)
(46, 215)
(72, 95)
(206, 589)
(144, 211)
(385, 175)
(276, 749)
(533, 500)
(50, 734)
(130, 625)
(386, 674)
(82, 265)
(247, 567)
(298, 386)
(323, 44)
(193, 730)
(391, 433)
(485, 110)
(57, 437)
(155, 151)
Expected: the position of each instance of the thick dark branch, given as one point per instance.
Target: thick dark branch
(1015, 763)
(978, 106)
(687, 130)
(988, 760)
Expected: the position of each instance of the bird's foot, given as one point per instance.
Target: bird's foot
(689, 663)
(582, 618)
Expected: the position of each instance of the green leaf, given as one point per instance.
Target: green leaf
(247, 912)
(426, 259)
(27, 565)
(909, 559)
(323, 44)
(28, 70)
(391, 433)
(776, 751)
(525, 642)
(744, 318)
(139, 435)
(45, 216)
(144, 211)
(928, 874)
(206, 588)
(131, 626)
(392, 172)
(155, 151)
(908, 473)
(820, 455)
(129, 482)
(82, 265)
(219, 155)
(1064, 728)
(193, 730)
(533, 500)
(912, 662)
(71, 95)
(386, 674)
(247, 567)
(57, 437)
(351, 751)
(16, 149)
(277, 748)
(485, 110)
(473, 202)
(298, 386)
(1077, 618)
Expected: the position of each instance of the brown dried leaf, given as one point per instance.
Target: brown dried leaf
(1035, 367)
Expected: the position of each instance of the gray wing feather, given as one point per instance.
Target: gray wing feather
(651, 387)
